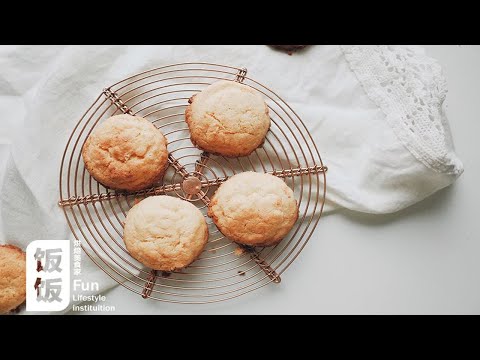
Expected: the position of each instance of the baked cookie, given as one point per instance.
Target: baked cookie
(228, 118)
(12, 278)
(165, 233)
(254, 209)
(126, 153)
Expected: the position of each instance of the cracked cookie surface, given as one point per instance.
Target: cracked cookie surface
(228, 118)
(12, 278)
(126, 153)
(254, 209)
(165, 233)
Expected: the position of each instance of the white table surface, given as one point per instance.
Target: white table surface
(423, 260)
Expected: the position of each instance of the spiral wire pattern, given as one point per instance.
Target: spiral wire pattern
(224, 270)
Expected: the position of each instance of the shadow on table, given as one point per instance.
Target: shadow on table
(430, 206)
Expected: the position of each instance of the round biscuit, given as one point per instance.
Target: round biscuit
(126, 153)
(254, 209)
(12, 278)
(165, 233)
(228, 118)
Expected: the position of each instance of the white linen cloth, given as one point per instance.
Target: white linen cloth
(375, 113)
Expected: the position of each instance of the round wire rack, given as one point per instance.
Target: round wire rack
(224, 270)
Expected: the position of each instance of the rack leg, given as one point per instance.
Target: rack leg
(147, 289)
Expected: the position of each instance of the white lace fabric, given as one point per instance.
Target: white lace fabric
(410, 89)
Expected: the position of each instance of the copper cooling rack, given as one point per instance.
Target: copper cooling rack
(225, 270)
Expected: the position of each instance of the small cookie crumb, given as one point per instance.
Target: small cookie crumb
(239, 251)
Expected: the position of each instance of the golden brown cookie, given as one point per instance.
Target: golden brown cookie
(228, 118)
(254, 209)
(126, 153)
(12, 278)
(165, 233)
